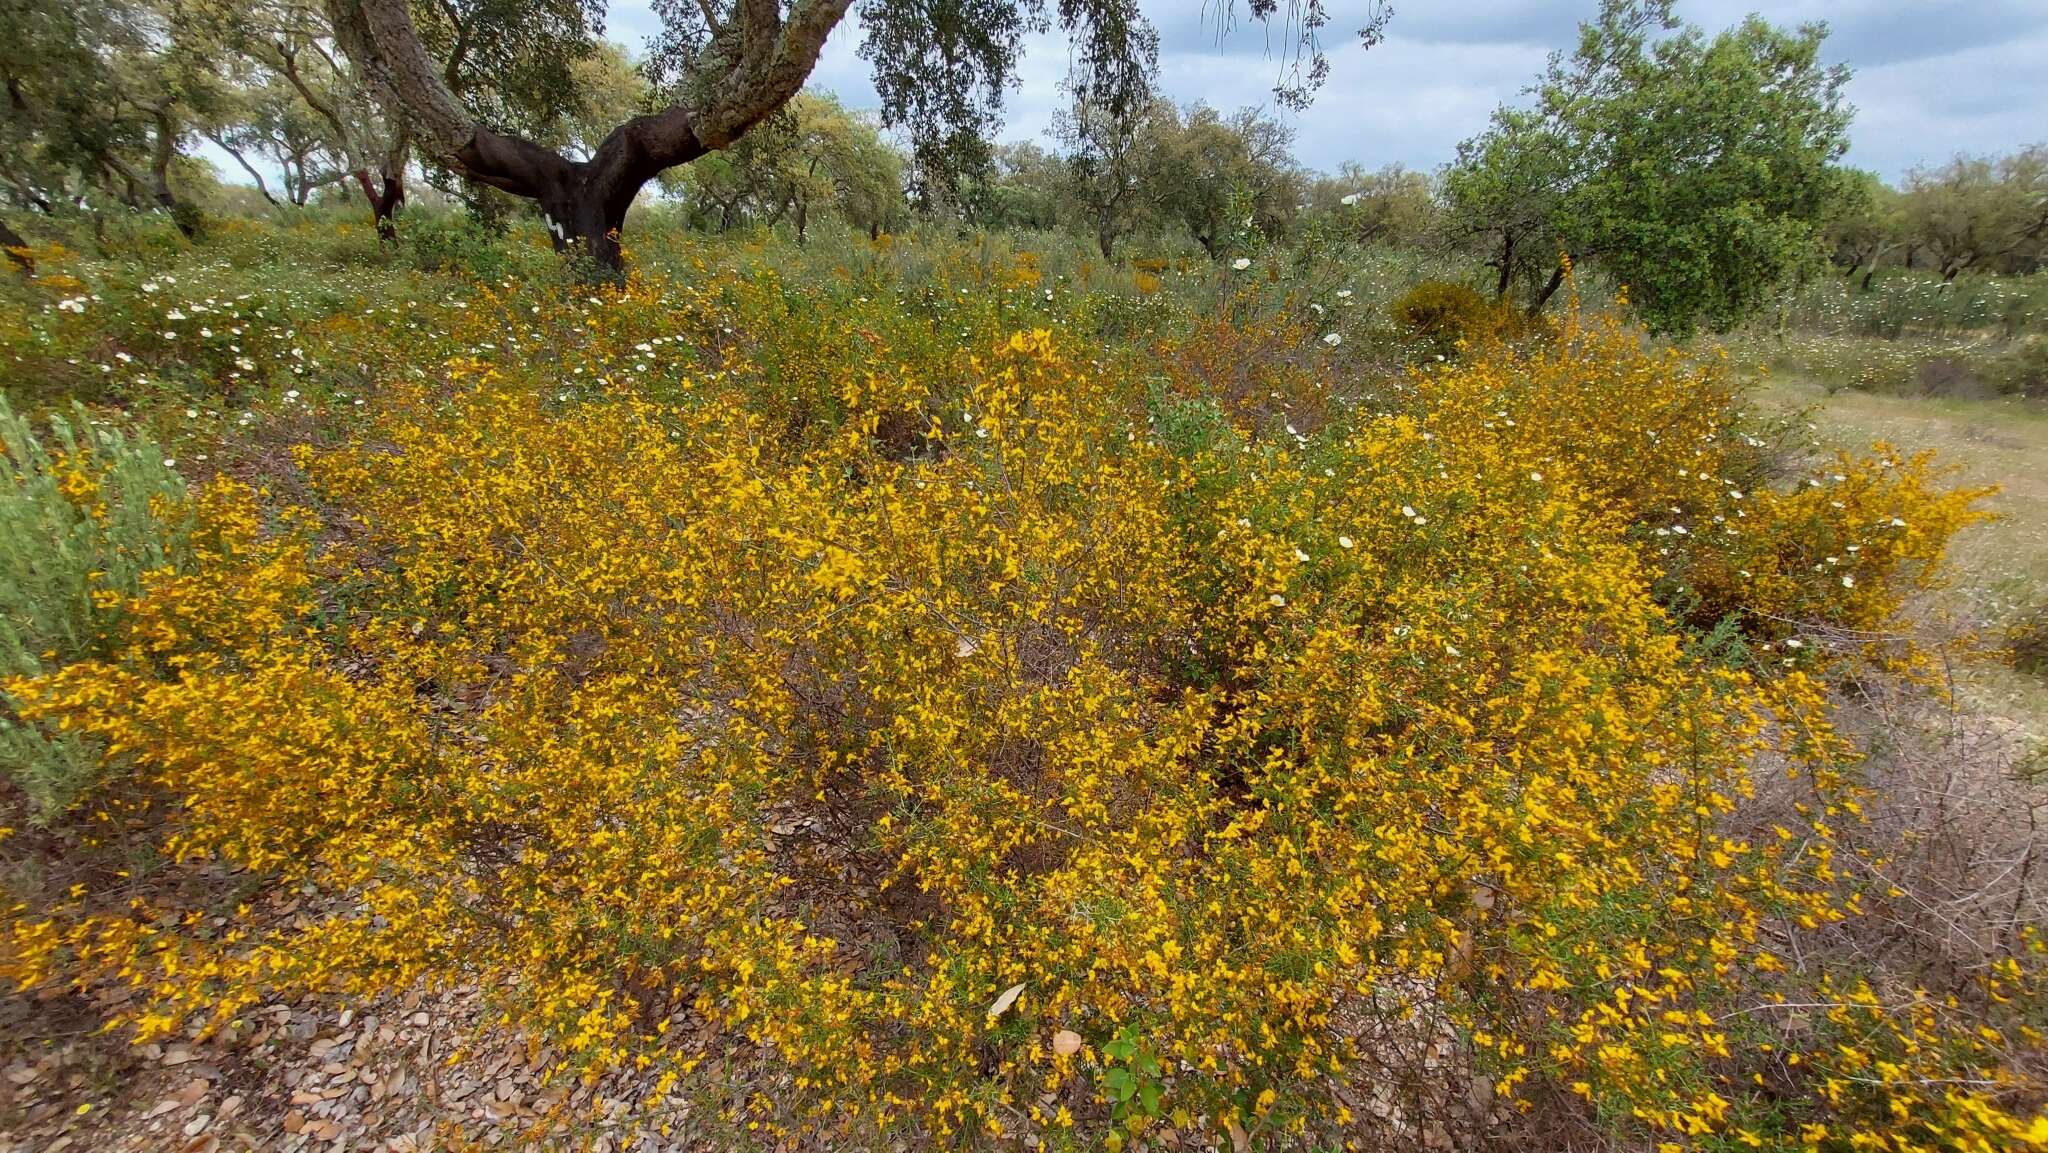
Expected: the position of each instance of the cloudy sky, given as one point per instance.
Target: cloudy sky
(1931, 77)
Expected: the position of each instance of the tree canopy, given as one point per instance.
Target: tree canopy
(720, 68)
(1697, 170)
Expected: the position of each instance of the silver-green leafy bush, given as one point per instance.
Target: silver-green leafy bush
(85, 512)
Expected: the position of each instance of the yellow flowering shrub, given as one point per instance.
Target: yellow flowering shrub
(1009, 747)
(1445, 316)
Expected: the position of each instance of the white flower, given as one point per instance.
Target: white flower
(1332, 339)
(1350, 200)
(1536, 476)
(1276, 600)
(1241, 263)
(1408, 510)
(1345, 542)
(1343, 294)
(1301, 556)
(1848, 582)
(174, 314)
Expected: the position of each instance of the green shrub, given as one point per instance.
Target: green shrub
(454, 242)
(81, 520)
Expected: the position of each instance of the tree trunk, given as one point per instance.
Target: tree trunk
(1549, 289)
(1507, 267)
(1105, 239)
(11, 241)
(165, 151)
(584, 202)
(384, 205)
(585, 209)
(803, 219)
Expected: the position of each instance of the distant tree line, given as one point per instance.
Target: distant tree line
(1701, 171)
(1972, 214)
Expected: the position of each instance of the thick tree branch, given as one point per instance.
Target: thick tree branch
(221, 141)
(289, 61)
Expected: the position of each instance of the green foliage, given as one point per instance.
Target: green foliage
(1224, 179)
(1393, 205)
(520, 64)
(81, 520)
(1694, 170)
(461, 243)
(1865, 220)
(1131, 1078)
(812, 157)
(1980, 212)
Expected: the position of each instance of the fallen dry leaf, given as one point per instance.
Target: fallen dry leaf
(1003, 1003)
